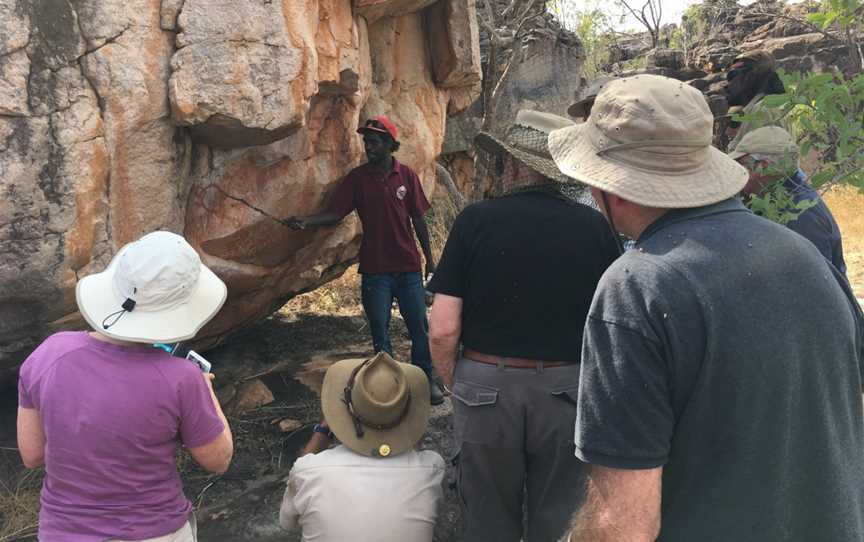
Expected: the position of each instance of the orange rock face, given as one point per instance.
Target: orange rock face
(120, 118)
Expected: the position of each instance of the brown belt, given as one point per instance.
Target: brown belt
(516, 363)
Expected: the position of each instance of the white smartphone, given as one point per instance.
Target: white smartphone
(199, 360)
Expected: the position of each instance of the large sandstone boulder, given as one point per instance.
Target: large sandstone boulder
(119, 117)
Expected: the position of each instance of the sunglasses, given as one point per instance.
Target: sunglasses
(735, 72)
(374, 124)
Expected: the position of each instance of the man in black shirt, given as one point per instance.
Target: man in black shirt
(720, 392)
(514, 284)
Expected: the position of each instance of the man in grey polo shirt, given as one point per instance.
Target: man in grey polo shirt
(720, 391)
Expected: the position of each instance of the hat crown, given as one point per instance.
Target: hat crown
(380, 393)
(158, 271)
(530, 131)
(649, 107)
(772, 140)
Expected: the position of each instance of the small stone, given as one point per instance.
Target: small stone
(251, 395)
(287, 425)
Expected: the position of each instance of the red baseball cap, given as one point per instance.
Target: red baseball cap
(379, 124)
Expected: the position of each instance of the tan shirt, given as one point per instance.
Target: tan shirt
(339, 495)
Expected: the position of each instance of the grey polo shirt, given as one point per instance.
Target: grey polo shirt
(727, 350)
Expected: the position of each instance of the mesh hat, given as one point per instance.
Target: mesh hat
(154, 290)
(527, 140)
(768, 140)
(376, 407)
(648, 140)
(586, 96)
(380, 124)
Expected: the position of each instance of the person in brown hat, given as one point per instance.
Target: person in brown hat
(720, 387)
(751, 77)
(390, 202)
(513, 286)
(374, 486)
(585, 98)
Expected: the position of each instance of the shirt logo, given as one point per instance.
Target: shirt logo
(401, 192)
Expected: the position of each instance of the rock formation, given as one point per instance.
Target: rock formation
(122, 117)
(545, 73)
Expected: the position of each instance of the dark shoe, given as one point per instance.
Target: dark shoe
(436, 396)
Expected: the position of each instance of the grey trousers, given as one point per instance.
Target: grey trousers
(518, 477)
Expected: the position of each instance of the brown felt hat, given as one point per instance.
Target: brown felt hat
(376, 407)
(586, 96)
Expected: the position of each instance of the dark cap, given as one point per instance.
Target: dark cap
(760, 60)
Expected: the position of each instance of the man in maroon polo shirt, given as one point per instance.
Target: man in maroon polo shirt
(390, 201)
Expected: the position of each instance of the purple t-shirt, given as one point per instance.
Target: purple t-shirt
(113, 418)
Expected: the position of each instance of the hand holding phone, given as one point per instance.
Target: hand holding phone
(199, 360)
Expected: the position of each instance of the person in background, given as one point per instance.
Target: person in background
(105, 412)
(771, 156)
(513, 287)
(720, 390)
(390, 202)
(585, 96)
(752, 76)
(374, 487)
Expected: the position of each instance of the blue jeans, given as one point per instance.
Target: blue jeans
(377, 293)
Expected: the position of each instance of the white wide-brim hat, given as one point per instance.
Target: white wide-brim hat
(174, 294)
(648, 140)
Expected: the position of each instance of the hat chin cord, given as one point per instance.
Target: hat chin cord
(359, 421)
(127, 306)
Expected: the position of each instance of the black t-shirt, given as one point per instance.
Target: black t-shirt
(726, 349)
(526, 267)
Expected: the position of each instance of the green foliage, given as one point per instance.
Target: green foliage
(843, 13)
(593, 27)
(776, 204)
(826, 114)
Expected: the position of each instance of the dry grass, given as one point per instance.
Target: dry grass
(19, 505)
(847, 206)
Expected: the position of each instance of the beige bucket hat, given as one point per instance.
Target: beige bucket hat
(376, 407)
(770, 140)
(648, 140)
(527, 141)
(155, 290)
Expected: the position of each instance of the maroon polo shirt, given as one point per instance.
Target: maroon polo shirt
(385, 203)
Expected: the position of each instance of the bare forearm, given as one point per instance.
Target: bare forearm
(619, 505)
(322, 219)
(319, 442)
(444, 353)
(422, 232)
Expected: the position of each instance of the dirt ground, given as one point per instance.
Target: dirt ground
(289, 352)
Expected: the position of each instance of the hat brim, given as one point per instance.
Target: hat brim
(401, 438)
(580, 108)
(364, 129)
(543, 166)
(719, 177)
(97, 298)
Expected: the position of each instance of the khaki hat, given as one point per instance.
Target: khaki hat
(527, 141)
(155, 290)
(376, 407)
(586, 96)
(770, 140)
(648, 140)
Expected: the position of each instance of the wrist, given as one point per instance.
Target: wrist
(322, 429)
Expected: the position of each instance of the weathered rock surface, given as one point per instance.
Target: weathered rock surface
(119, 117)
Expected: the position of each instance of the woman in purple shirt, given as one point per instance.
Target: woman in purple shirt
(104, 411)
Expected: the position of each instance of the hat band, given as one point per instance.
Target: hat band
(653, 143)
(359, 421)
